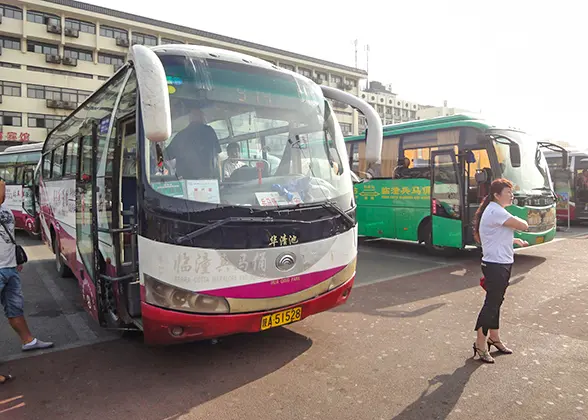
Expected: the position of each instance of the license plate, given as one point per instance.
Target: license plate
(540, 240)
(281, 318)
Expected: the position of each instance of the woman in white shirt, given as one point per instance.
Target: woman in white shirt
(494, 229)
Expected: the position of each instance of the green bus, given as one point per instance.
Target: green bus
(434, 174)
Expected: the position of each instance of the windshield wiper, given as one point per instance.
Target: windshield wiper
(334, 208)
(228, 220)
(329, 205)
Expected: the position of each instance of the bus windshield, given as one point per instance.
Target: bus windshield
(247, 135)
(533, 174)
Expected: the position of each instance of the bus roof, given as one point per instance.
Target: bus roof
(437, 123)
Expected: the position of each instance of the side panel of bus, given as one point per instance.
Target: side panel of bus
(68, 176)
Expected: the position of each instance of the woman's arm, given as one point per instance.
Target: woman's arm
(516, 223)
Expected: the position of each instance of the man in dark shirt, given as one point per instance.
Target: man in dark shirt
(195, 149)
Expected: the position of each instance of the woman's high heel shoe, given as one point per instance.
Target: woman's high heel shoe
(499, 346)
(483, 354)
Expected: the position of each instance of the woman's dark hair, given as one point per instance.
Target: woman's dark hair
(495, 188)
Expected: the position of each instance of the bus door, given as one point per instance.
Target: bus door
(446, 200)
(558, 166)
(581, 186)
(92, 286)
(29, 201)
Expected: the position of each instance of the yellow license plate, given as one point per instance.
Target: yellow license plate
(540, 240)
(281, 318)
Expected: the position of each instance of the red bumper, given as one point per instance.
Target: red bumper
(158, 323)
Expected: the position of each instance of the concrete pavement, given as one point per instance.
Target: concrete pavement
(400, 349)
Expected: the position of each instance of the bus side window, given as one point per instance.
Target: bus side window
(57, 167)
(71, 158)
(47, 165)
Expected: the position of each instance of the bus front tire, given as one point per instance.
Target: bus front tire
(438, 251)
(62, 269)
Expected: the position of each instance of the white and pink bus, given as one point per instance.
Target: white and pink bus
(18, 165)
(166, 233)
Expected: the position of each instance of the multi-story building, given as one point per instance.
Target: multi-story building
(55, 53)
(426, 112)
(391, 108)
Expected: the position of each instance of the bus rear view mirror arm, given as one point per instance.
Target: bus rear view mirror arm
(557, 149)
(374, 136)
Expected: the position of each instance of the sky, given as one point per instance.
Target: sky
(519, 62)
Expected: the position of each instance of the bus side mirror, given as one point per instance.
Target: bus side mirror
(515, 155)
(153, 94)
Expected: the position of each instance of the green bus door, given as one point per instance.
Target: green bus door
(446, 200)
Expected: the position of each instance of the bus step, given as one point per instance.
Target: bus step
(126, 277)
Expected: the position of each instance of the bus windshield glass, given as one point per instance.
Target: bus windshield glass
(247, 135)
(532, 177)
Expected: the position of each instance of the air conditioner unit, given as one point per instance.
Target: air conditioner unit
(69, 61)
(122, 42)
(54, 29)
(72, 33)
(52, 58)
(52, 103)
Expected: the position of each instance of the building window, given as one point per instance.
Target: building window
(110, 59)
(10, 43)
(345, 128)
(60, 72)
(170, 41)
(57, 94)
(103, 78)
(13, 119)
(110, 32)
(10, 89)
(44, 121)
(80, 25)
(78, 54)
(305, 72)
(9, 65)
(41, 48)
(351, 82)
(287, 66)
(43, 18)
(11, 12)
(143, 39)
(336, 79)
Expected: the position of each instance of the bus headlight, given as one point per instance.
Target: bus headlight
(171, 297)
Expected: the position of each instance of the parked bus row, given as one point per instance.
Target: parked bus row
(255, 225)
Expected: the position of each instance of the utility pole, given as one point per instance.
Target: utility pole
(355, 45)
(367, 63)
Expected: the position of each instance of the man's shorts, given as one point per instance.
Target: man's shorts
(11, 293)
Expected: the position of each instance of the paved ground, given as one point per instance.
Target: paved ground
(400, 349)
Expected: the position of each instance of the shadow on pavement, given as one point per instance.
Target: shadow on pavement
(439, 403)
(126, 379)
